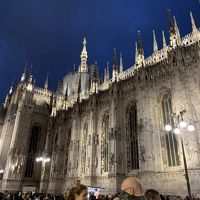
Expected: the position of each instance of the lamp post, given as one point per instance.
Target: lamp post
(181, 124)
(44, 158)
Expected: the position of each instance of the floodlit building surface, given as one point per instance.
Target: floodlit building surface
(99, 132)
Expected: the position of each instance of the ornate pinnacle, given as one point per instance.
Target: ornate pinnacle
(84, 56)
(46, 82)
(105, 75)
(178, 36)
(24, 73)
(164, 40)
(108, 73)
(30, 76)
(164, 44)
(11, 88)
(136, 53)
(194, 27)
(115, 58)
(155, 44)
(84, 42)
(30, 85)
(139, 44)
(121, 63)
(171, 23)
(115, 70)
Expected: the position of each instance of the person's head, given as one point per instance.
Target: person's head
(78, 193)
(167, 197)
(178, 198)
(132, 186)
(152, 195)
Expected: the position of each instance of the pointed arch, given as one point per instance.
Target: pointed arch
(132, 138)
(170, 141)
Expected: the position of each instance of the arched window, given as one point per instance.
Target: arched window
(84, 148)
(133, 138)
(170, 139)
(32, 151)
(104, 146)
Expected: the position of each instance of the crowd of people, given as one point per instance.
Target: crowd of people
(131, 189)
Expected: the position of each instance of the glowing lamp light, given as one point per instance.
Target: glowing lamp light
(168, 127)
(1, 171)
(191, 128)
(39, 159)
(46, 160)
(177, 131)
(183, 124)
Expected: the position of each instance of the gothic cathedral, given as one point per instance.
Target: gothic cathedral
(98, 132)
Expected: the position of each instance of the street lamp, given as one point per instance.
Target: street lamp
(44, 158)
(181, 124)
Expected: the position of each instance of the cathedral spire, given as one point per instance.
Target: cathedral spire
(8, 97)
(178, 36)
(139, 43)
(108, 72)
(83, 66)
(194, 27)
(115, 68)
(171, 23)
(46, 82)
(11, 89)
(175, 38)
(121, 63)
(105, 75)
(136, 52)
(164, 40)
(172, 30)
(155, 44)
(195, 31)
(95, 81)
(30, 80)
(139, 60)
(121, 67)
(23, 77)
(164, 44)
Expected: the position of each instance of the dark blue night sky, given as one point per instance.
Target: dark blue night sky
(48, 33)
